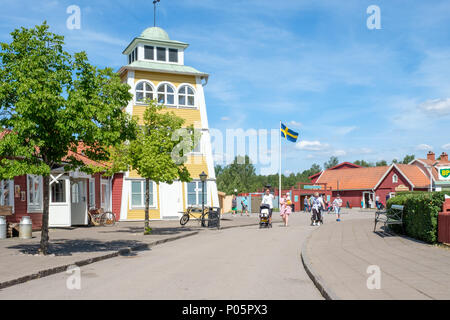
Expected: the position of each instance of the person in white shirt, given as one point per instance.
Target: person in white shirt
(268, 199)
(317, 206)
(337, 204)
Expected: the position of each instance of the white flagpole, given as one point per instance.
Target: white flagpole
(279, 175)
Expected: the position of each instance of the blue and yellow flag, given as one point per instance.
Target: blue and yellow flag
(288, 133)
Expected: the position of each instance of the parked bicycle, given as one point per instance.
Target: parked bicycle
(97, 217)
(194, 212)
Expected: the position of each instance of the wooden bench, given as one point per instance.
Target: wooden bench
(393, 215)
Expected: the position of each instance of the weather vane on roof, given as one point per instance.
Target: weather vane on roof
(154, 11)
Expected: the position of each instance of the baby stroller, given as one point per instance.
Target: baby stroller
(264, 213)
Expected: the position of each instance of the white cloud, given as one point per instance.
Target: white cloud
(424, 147)
(446, 146)
(312, 145)
(295, 123)
(436, 106)
(225, 118)
(339, 153)
(345, 130)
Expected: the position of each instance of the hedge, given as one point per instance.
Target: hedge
(420, 214)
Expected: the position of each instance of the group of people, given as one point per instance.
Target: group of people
(314, 204)
(317, 205)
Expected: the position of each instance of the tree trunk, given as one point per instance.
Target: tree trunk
(45, 215)
(147, 205)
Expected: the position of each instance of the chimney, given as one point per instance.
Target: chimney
(431, 156)
(444, 157)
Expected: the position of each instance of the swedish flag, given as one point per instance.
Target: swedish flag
(288, 133)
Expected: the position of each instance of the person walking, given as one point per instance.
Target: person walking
(286, 208)
(317, 206)
(306, 204)
(337, 204)
(244, 206)
(268, 200)
(234, 205)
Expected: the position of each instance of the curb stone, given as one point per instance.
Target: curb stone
(323, 288)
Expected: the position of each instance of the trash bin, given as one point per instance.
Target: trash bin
(214, 218)
(2, 227)
(25, 228)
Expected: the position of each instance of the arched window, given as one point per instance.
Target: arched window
(186, 97)
(394, 178)
(144, 90)
(166, 94)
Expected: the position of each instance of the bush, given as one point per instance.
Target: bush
(420, 214)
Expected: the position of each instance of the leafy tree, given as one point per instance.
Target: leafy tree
(381, 163)
(408, 158)
(159, 152)
(363, 163)
(240, 175)
(334, 161)
(51, 103)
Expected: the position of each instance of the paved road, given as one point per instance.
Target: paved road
(239, 263)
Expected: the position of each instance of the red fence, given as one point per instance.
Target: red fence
(444, 223)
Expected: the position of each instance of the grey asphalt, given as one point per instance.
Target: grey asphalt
(237, 263)
(340, 255)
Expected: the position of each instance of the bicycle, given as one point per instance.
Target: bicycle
(193, 212)
(96, 217)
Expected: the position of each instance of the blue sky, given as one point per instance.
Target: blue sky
(349, 91)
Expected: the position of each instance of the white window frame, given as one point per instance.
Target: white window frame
(186, 95)
(154, 93)
(63, 183)
(395, 178)
(10, 193)
(152, 195)
(92, 192)
(198, 194)
(35, 207)
(175, 95)
(105, 203)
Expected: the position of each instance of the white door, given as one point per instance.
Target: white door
(171, 200)
(79, 202)
(59, 208)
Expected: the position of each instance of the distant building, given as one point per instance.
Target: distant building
(437, 169)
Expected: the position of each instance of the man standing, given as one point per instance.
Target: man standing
(267, 199)
(234, 205)
(244, 206)
(337, 204)
(306, 204)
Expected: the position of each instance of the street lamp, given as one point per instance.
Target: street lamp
(203, 177)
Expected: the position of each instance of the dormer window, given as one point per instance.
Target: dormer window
(173, 55)
(394, 178)
(161, 54)
(149, 53)
(133, 56)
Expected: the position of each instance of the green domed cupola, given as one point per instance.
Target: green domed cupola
(155, 33)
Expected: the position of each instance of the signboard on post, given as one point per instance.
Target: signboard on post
(444, 173)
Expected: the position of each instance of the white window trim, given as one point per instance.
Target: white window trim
(175, 95)
(155, 94)
(195, 97)
(198, 194)
(395, 178)
(67, 194)
(33, 208)
(10, 192)
(92, 180)
(130, 206)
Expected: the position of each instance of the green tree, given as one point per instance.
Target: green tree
(408, 158)
(240, 175)
(52, 102)
(363, 163)
(160, 150)
(381, 163)
(333, 161)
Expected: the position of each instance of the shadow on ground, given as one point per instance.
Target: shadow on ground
(155, 231)
(67, 247)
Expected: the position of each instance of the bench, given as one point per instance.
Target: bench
(394, 215)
